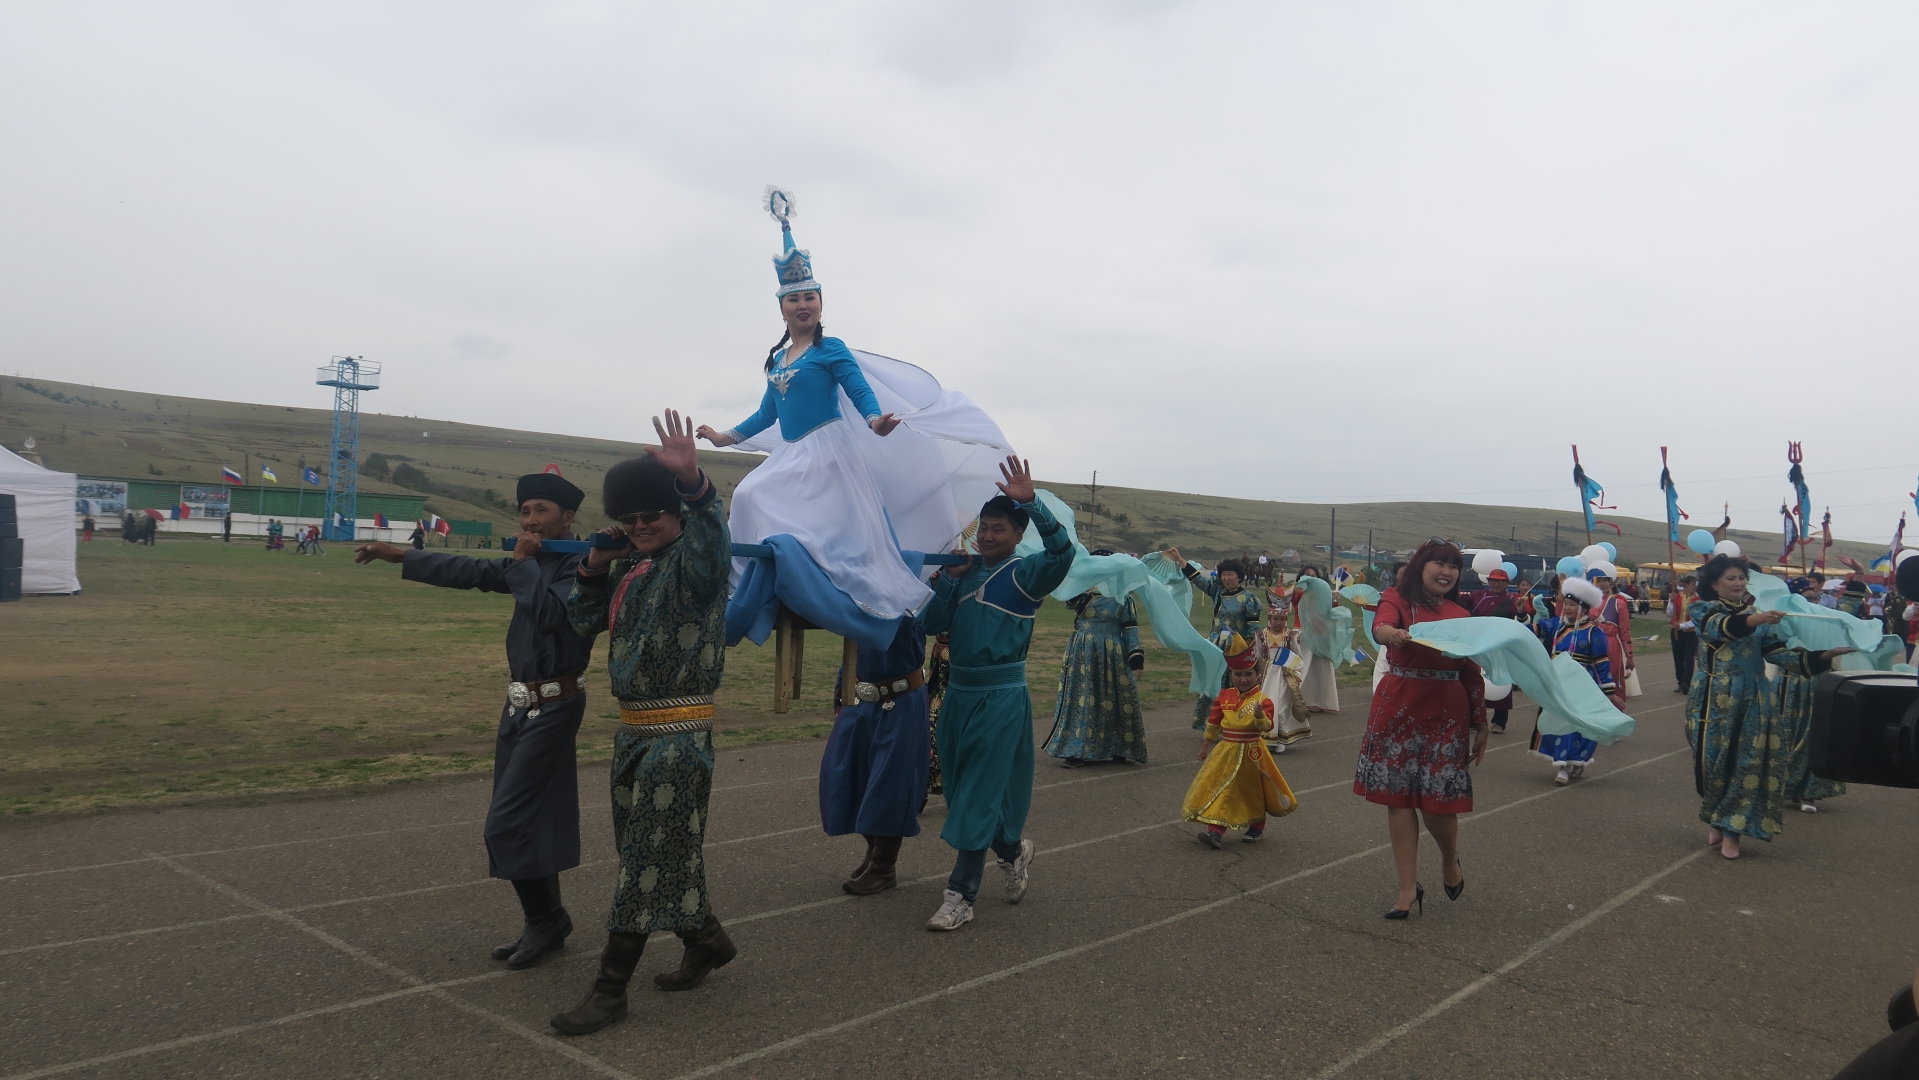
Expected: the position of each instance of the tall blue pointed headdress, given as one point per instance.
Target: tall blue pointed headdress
(793, 265)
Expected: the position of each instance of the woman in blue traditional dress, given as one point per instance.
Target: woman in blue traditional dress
(1732, 722)
(852, 503)
(1593, 643)
(1792, 695)
(1097, 717)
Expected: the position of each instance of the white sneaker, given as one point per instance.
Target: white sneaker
(1561, 778)
(1015, 872)
(1277, 747)
(952, 915)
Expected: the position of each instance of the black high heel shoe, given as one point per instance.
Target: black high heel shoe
(1453, 891)
(1419, 899)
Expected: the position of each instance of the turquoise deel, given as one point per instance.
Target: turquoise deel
(985, 737)
(1121, 576)
(804, 394)
(1509, 653)
(1097, 717)
(1792, 697)
(1732, 725)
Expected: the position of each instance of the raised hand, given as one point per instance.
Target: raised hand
(676, 450)
(1019, 479)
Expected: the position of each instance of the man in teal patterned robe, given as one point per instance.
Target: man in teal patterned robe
(985, 738)
(662, 601)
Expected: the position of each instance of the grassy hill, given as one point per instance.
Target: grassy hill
(467, 471)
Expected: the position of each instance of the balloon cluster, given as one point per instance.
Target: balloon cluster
(1700, 542)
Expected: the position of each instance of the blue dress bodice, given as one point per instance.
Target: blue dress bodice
(804, 393)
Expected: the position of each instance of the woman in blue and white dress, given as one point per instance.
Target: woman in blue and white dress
(872, 456)
(1593, 642)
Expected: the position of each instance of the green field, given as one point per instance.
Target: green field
(196, 668)
(467, 472)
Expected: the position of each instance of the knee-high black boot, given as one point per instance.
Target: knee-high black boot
(605, 1000)
(707, 949)
(547, 923)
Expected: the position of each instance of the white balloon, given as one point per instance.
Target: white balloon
(1604, 569)
(1904, 554)
(1726, 547)
(1591, 555)
(1486, 562)
(1497, 692)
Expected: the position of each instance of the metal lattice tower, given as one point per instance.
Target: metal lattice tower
(348, 375)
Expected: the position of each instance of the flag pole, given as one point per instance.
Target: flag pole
(1672, 526)
(1585, 514)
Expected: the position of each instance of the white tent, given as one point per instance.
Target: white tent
(45, 501)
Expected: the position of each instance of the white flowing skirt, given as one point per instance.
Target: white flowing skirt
(854, 499)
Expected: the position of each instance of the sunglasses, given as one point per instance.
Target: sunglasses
(1447, 540)
(641, 517)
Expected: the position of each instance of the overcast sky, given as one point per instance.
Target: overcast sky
(1354, 251)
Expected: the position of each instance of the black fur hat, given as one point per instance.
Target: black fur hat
(636, 484)
(552, 487)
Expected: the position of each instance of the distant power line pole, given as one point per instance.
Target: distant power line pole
(1092, 504)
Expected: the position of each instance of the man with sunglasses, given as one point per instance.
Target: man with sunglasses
(533, 825)
(661, 600)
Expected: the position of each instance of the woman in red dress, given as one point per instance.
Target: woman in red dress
(1426, 727)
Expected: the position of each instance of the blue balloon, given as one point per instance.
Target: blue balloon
(1512, 572)
(1700, 542)
(1570, 566)
(1612, 553)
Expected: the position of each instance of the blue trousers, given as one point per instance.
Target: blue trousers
(970, 867)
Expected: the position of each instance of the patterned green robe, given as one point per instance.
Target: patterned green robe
(1097, 717)
(1792, 696)
(668, 641)
(1732, 723)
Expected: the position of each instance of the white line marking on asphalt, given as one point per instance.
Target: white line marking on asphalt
(242, 1029)
(1040, 961)
(263, 910)
(1393, 1034)
(511, 1026)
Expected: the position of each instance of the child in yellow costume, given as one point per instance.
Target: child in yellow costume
(1239, 786)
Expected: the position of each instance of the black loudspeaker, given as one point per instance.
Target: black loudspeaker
(1865, 728)
(12, 553)
(9, 583)
(9, 517)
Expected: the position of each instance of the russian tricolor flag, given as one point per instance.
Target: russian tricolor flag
(230, 476)
(379, 521)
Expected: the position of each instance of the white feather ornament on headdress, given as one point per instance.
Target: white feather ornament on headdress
(779, 203)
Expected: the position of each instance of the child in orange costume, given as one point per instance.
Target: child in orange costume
(1239, 786)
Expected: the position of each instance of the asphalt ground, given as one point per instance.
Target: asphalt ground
(1597, 936)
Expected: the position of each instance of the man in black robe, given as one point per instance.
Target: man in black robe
(533, 825)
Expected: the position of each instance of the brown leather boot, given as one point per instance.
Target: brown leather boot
(879, 875)
(865, 860)
(707, 949)
(605, 1001)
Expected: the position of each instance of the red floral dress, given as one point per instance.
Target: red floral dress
(1418, 734)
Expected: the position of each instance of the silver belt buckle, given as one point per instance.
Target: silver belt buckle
(520, 695)
(866, 691)
(899, 686)
(549, 690)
